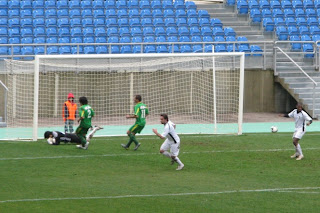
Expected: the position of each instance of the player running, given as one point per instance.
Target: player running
(140, 114)
(172, 141)
(85, 113)
(56, 137)
(301, 120)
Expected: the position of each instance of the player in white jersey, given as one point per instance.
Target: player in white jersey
(301, 120)
(172, 141)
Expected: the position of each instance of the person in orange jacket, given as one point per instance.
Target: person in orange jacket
(69, 113)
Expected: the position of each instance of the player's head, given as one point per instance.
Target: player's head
(164, 118)
(47, 134)
(83, 100)
(299, 107)
(137, 99)
(70, 97)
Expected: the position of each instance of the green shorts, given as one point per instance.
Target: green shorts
(136, 128)
(82, 131)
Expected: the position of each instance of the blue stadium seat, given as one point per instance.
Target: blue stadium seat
(314, 30)
(308, 4)
(13, 22)
(206, 31)
(161, 48)
(301, 21)
(121, 4)
(27, 50)
(63, 22)
(39, 31)
(275, 4)
(134, 13)
(167, 4)
(268, 24)
(112, 31)
(170, 22)
(182, 14)
(228, 31)
(102, 49)
(87, 22)
(279, 22)
(76, 50)
(214, 22)
(203, 14)
(288, 13)
(88, 31)
(181, 22)
(110, 4)
(185, 48)
(122, 13)
(171, 31)
(98, 22)
(11, 51)
(89, 49)
(39, 50)
(145, 22)
(144, 4)
(14, 4)
(4, 31)
(125, 48)
(111, 22)
(217, 31)
(111, 13)
(158, 22)
(86, 4)
(51, 31)
(192, 22)
(190, 5)
(316, 4)
(183, 31)
(134, 22)
(4, 4)
(74, 4)
(218, 47)
(242, 7)
(194, 31)
(295, 46)
(50, 4)
(25, 13)
(145, 13)
(26, 31)
(244, 46)
(286, 4)
(14, 31)
(39, 40)
(25, 4)
(4, 21)
(311, 12)
(102, 39)
(297, 4)
(38, 22)
(157, 13)
(133, 4)
(62, 4)
(178, 4)
(230, 2)
(88, 39)
(136, 48)
(204, 22)
(77, 40)
(196, 47)
(86, 13)
(277, 13)
(75, 22)
(3, 40)
(168, 13)
(114, 48)
(97, 4)
(37, 13)
(156, 5)
(66, 49)
(49, 13)
(255, 15)
(192, 13)
(293, 30)
(266, 13)
(255, 50)
(160, 31)
(316, 38)
(100, 31)
(4, 13)
(290, 21)
(312, 21)
(253, 4)
(98, 13)
(63, 13)
(282, 33)
(303, 30)
(76, 31)
(64, 31)
(74, 13)
(136, 31)
(123, 22)
(173, 47)
(231, 47)
(124, 31)
(307, 47)
(264, 4)
(147, 31)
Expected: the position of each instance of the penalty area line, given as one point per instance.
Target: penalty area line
(153, 153)
(162, 195)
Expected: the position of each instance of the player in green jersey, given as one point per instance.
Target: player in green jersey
(140, 114)
(85, 114)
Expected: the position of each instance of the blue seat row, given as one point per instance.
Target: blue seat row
(72, 4)
(284, 32)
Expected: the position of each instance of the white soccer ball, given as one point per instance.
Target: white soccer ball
(51, 141)
(274, 129)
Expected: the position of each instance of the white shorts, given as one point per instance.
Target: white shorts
(298, 133)
(173, 147)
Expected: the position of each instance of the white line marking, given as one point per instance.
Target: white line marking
(142, 154)
(303, 192)
(159, 195)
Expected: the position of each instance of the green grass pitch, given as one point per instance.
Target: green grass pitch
(223, 173)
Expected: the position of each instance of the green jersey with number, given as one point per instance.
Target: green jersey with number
(86, 112)
(141, 111)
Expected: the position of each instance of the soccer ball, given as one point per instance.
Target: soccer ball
(274, 129)
(51, 140)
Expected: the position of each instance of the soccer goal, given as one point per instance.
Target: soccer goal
(200, 92)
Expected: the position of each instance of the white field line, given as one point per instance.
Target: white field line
(303, 192)
(152, 153)
(160, 195)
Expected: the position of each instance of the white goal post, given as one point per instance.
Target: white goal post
(202, 92)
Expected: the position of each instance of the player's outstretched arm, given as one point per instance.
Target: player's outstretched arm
(131, 116)
(155, 131)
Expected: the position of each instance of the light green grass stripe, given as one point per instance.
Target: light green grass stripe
(161, 195)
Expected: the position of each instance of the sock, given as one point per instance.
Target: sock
(178, 161)
(297, 153)
(130, 141)
(299, 149)
(92, 133)
(167, 154)
(133, 138)
(83, 140)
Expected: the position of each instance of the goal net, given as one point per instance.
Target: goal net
(201, 93)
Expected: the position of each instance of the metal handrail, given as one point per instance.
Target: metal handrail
(300, 68)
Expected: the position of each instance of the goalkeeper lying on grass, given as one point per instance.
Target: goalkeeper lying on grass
(55, 137)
